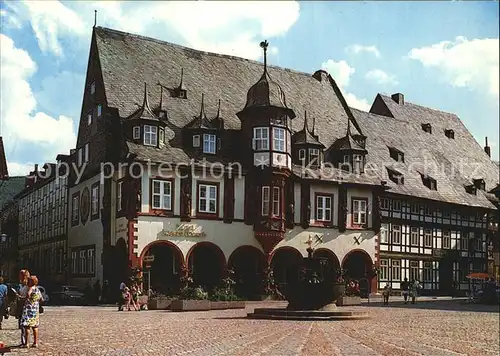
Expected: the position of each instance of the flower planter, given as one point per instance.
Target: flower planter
(219, 305)
(345, 301)
(158, 303)
(189, 305)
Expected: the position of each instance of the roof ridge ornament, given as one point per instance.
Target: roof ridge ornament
(202, 109)
(181, 86)
(218, 110)
(306, 128)
(95, 18)
(264, 44)
(314, 125)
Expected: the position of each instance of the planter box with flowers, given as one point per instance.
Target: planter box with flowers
(190, 305)
(159, 302)
(348, 300)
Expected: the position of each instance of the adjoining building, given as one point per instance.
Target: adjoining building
(203, 162)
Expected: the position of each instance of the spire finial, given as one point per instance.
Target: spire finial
(202, 109)
(314, 125)
(95, 18)
(264, 44)
(306, 128)
(218, 109)
(486, 141)
(161, 96)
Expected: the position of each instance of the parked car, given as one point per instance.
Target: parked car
(45, 296)
(68, 295)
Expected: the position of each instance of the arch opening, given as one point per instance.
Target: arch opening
(330, 270)
(207, 264)
(164, 270)
(358, 266)
(248, 264)
(286, 264)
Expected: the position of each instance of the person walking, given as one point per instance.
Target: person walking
(414, 286)
(121, 298)
(386, 293)
(3, 300)
(30, 318)
(24, 276)
(405, 286)
(97, 292)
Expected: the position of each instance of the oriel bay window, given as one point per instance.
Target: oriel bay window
(324, 208)
(209, 143)
(265, 201)
(359, 211)
(279, 139)
(269, 201)
(150, 135)
(260, 138)
(207, 198)
(276, 201)
(162, 194)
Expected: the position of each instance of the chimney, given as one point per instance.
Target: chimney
(487, 148)
(398, 98)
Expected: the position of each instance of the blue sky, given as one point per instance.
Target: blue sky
(439, 54)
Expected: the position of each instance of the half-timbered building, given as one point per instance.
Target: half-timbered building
(199, 162)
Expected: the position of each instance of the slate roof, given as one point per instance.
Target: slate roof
(454, 163)
(127, 61)
(305, 136)
(9, 188)
(4, 172)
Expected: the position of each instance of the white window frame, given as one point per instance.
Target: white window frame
(464, 241)
(415, 270)
(209, 143)
(302, 154)
(314, 153)
(89, 118)
(165, 198)
(384, 270)
(396, 205)
(384, 233)
(74, 262)
(279, 135)
(196, 140)
(276, 201)
(75, 209)
(384, 204)
(357, 163)
(161, 137)
(99, 110)
(346, 159)
(86, 153)
(321, 211)
(95, 200)
(359, 214)
(207, 198)
(395, 270)
(90, 261)
(150, 135)
(119, 191)
(414, 236)
(396, 232)
(446, 241)
(428, 238)
(261, 138)
(266, 195)
(415, 208)
(427, 277)
(136, 133)
(80, 157)
(83, 262)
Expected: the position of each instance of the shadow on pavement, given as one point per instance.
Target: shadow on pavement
(451, 305)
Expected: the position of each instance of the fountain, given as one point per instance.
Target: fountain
(313, 295)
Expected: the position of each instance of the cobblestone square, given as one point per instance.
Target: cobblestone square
(428, 328)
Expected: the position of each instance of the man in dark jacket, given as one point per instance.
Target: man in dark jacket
(3, 300)
(405, 288)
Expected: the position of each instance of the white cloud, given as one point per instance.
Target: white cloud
(226, 27)
(381, 77)
(356, 49)
(464, 63)
(19, 169)
(340, 71)
(20, 120)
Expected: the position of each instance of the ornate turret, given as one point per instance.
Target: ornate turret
(202, 134)
(144, 111)
(349, 151)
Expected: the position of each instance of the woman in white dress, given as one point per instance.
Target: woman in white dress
(24, 276)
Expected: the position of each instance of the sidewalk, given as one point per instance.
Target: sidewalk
(379, 299)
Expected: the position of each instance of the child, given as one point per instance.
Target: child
(127, 297)
(386, 293)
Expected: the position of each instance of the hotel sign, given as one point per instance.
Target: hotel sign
(185, 230)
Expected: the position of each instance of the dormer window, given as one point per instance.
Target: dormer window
(302, 154)
(137, 132)
(449, 133)
(260, 138)
(427, 128)
(182, 94)
(196, 140)
(429, 182)
(209, 143)
(314, 158)
(471, 189)
(358, 163)
(396, 154)
(395, 176)
(99, 110)
(279, 139)
(161, 138)
(479, 184)
(150, 135)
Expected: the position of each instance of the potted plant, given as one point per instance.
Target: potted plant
(158, 301)
(223, 297)
(191, 297)
(351, 295)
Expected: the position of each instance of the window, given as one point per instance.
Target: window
(395, 176)
(427, 272)
(464, 241)
(428, 210)
(415, 208)
(358, 163)
(396, 271)
(89, 118)
(446, 214)
(428, 238)
(90, 261)
(207, 195)
(396, 205)
(162, 194)
(384, 228)
(83, 263)
(95, 200)
(279, 139)
(414, 236)
(314, 156)
(302, 154)
(396, 235)
(150, 135)
(208, 143)
(396, 154)
(74, 265)
(265, 201)
(196, 140)
(99, 110)
(119, 195)
(479, 243)
(359, 212)
(446, 239)
(182, 93)
(449, 133)
(346, 158)
(427, 128)
(161, 138)
(92, 88)
(260, 138)
(276, 201)
(384, 204)
(86, 153)
(75, 209)
(323, 208)
(137, 132)
(414, 271)
(384, 270)
(80, 157)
